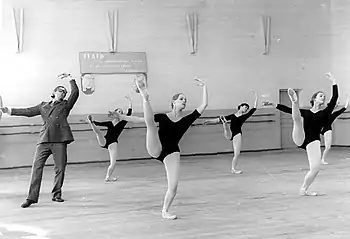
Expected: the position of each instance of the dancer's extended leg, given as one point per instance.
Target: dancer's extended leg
(153, 144)
(298, 133)
(99, 135)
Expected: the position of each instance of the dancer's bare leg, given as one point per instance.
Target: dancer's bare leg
(313, 150)
(113, 156)
(172, 167)
(298, 133)
(327, 145)
(99, 135)
(153, 145)
(237, 145)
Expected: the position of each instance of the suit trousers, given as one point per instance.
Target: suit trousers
(43, 151)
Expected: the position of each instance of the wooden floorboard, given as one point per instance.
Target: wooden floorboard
(211, 203)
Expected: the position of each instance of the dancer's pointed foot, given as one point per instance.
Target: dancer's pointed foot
(235, 171)
(292, 95)
(168, 215)
(324, 162)
(109, 179)
(304, 192)
(140, 83)
(89, 117)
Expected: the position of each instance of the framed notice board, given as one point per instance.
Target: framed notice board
(112, 63)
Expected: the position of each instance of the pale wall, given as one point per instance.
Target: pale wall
(308, 38)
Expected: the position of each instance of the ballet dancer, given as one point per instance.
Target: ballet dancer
(54, 138)
(162, 143)
(109, 140)
(326, 129)
(307, 127)
(235, 132)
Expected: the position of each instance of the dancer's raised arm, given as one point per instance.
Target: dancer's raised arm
(129, 112)
(331, 105)
(204, 104)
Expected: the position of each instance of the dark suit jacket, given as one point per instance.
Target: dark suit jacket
(56, 128)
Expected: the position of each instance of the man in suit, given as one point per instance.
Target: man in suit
(55, 135)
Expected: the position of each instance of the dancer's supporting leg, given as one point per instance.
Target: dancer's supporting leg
(172, 167)
(327, 145)
(298, 133)
(153, 144)
(237, 145)
(113, 156)
(313, 151)
(100, 136)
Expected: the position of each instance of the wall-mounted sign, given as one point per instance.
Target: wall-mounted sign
(112, 63)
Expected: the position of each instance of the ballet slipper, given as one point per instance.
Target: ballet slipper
(304, 192)
(324, 162)
(142, 88)
(292, 95)
(169, 216)
(89, 117)
(236, 171)
(107, 180)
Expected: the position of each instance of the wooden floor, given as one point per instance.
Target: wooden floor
(211, 203)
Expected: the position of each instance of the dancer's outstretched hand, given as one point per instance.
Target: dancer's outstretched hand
(267, 103)
(127, 98)
(65, 76)
(330, 77)
(292, 95)
(200, 82)
(4, 110)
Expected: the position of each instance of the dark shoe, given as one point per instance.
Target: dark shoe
(27, 203)
(57, 199)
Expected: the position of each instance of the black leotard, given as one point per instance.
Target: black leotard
(237, 122)
(313, 122)
(113, 131)
(330, 119)
(171, 132)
